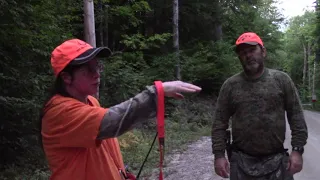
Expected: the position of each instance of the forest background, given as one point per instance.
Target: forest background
(140, 34)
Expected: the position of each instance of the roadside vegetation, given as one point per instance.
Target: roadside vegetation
(140, 35)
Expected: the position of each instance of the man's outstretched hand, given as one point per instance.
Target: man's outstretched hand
(175, 88)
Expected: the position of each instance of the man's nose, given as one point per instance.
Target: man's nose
(97, 73)
(248, 54)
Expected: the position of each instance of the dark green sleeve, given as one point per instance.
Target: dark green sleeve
(293, 107)
(220, 122)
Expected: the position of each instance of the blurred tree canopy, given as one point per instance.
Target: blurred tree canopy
(139, 32)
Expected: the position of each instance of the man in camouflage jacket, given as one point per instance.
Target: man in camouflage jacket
(257, 99)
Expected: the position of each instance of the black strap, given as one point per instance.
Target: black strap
(154, 140)
(277, 151)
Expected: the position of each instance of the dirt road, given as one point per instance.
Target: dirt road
(311, 169)
(196, 163)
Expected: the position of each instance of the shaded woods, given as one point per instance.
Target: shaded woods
(140, 34)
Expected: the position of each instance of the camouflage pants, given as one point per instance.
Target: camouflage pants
(245, 167)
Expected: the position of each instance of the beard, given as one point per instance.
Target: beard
(253, 67)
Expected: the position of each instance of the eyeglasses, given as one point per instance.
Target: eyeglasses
(92, 68)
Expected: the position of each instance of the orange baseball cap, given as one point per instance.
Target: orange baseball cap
(249, 38)
(75, 52)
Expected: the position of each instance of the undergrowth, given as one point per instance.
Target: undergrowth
(176, 138)
(186, 121)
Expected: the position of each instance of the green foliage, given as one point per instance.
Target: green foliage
(209, 64)
(199, 20)
(140, 42)
(299, 40)
(140, 34)
(29, 31)
(120, 85)
(302, 27)
(316, 31)
(129, 13)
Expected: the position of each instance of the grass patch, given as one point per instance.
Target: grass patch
(312, 107)
(189, 120)
(177, 137)
(30, 168)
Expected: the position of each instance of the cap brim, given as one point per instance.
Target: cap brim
(249, 43)
(99, 52)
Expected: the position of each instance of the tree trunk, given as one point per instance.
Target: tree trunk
(89, 26)
(308, 68)
(313, 77)
(106, 29)
(101, 15)
(218, 32)
(305, 62)
(218, 24)
(176, 37)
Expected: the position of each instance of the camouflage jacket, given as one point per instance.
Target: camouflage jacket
(257, 108)
(122, 117)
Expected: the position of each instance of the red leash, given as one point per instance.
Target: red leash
(160, 123)
(160, 129)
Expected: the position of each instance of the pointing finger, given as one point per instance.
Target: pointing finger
(191, 86)
(186, 89)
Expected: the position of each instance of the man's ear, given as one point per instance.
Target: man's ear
(66, 77)
(264, 51)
